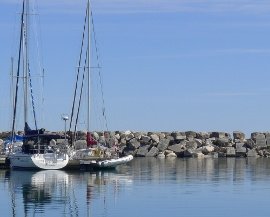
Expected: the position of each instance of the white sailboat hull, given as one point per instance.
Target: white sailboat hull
(48, 161)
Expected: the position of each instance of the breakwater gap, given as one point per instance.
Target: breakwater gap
(176, 144)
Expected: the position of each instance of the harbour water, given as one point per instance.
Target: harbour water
(144, 187)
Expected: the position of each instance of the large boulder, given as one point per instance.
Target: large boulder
(230, 152)
(250, 144)
(145, 139)
(178, 136)
(260, 140)
(153, 152)
(142, 151)
(177, 148)
(191, 135)
(267, 137)
(161, 155)
(252, 153)
(133, 144)
(219, 135)
(224, 142)
(207, 149)
(138, 135)
(171, 155)
(240, 150)
(155, 138)
(199, 142)
(189, 153)
(191, 145)
(238, 135)
(163, 144)
(203, 135)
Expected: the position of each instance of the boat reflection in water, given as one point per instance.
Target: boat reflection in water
(146, 185)
(59, 193)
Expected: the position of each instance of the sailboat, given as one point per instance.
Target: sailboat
(95, 155)
(36, 152)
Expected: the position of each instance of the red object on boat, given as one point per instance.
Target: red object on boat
(90, 140)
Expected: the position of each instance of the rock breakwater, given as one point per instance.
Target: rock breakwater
(180, 144)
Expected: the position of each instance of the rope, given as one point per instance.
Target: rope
(32, 96)
(99, 72)
(80, 99)
(77, 79)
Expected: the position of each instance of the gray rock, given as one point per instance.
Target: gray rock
(166, 152)
(207, 149)
(138, 135)
(162, 136)
(203, 135)
(210, 141)
(260, 140)
(199, 142)
(81, 135)
(127, 151)
(123, 141)
(191, 145)
(145, 139)
(239, 145)
(102, 140)
(224, 142)
(250, 144)
(241, 152)
(177, 148)
(142, 151)
(169, 137)
(252, 153)
(163, 144)
(230, 152)
(254, 135)
(129, 136)
(221, 154)
(117, 136)
(171, 155)
(267, 136)
(178, 135)
(111, 142)
(219, 135)
(189, 153)
(238, 135)
(155, 138)
(161, 155)
(191, 135)
(133, 144)
(153, 152)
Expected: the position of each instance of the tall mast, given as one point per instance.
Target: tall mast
(25, 59)
(88, 68)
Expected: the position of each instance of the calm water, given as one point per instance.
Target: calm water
(145, 187)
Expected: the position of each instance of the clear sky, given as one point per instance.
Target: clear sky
(199, 65)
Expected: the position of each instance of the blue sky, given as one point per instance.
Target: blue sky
(199, 65)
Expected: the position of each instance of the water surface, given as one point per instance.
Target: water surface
(144, 187)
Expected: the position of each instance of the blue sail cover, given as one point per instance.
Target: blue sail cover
(16, 138)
